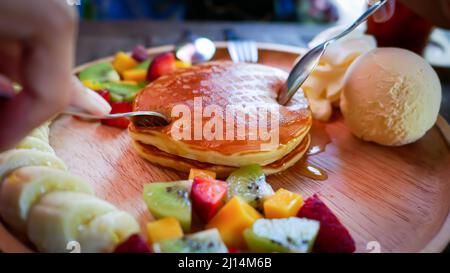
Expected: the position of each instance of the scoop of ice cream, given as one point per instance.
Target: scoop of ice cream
(323, 87)
(391, 96)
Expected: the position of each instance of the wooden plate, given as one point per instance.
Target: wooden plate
(397, 199)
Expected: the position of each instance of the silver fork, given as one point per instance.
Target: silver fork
(241, 50)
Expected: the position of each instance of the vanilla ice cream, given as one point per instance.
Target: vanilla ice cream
(390, 96)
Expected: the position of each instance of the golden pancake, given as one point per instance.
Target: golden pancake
(156, 156)
(205, 92)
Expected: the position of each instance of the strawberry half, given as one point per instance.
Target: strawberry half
(333, 237)
(105, 95)
(161, 65)
(208, 196)
(118, 107)
(134, 244)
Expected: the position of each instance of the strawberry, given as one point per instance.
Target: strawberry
(161, 65)
(333, 236)
(105, 94)
(134, 244)
(118, 107)
(207, 195)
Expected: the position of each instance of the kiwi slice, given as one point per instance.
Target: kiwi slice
(100, 72)
(249, 183)
(170, 199)
(207, 241)
(143, 65)
(282, 235)
(126, 91)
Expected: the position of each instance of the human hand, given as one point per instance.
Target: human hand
(385, 12)
(37, 41)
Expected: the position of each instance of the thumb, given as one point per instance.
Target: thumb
(87, 100)
(385, 12)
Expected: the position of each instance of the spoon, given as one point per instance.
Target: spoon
(193, 49)
(306, 65)
(139, 118)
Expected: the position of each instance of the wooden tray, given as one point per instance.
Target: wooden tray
(397, 197)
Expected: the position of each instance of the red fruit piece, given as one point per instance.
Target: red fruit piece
(105, 94)
(134, 244)
(208, 195)
(333, 237)
(139, 53)
(118, 107)
(161, 65)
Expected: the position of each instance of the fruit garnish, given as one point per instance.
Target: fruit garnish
(134, 244)
(164, 229)
(249, 183)
(105, 95)
(333, 236)
(144, 65)
(118, 107)
(207, 241)
(201, 173)
(170, 199)
(123, 61)
(282, 235)
(139, 53)
(135, 74)
(283, 204)
(208, 195)
(99, 72)
(125, 90)
(232, 219)
(92, 84)
(181, 64)
(161, 65)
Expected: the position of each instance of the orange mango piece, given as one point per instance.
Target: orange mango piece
(93, 85)
(201, 173)
(123, 62)
(283, 204)
(134, 75)
(232, 220)
(164, 229)
(181, 64)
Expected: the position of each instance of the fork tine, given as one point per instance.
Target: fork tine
(246, 46)
(241, 51)
(254, 52)
(233, 52)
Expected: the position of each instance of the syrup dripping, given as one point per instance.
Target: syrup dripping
(319, 138)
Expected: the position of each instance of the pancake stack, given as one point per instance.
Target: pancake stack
(223, 84)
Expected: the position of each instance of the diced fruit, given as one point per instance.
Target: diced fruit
(105, 95)
(123, 89)
(282, 204)
(208, 196)
(170, 199)
(282, 235)
(333, 236)
(123, 61)
(232, 220)
(135, 75)
(116, 98)
(207, 241)
(164, 229)
(144, 65)
(93, 84)
(249, 183)
(139, 53)
(99, 72)
(106, 231)
(134, 244)
(118, 107)
(25, 186)
(201, 173)
(181, 64)
(161, 65)
(58, 217)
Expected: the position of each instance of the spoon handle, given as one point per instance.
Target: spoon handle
(371, 10)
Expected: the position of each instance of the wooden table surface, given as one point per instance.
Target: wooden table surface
(100, 39)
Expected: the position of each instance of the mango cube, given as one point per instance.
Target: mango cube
(134, 75)
(164, 229)
(181, 64)
(123, 62)
(93, 85)
(283, 204)
(201, 173)
(232, 220)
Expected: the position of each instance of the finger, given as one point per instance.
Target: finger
(384, 13)
(88, 100)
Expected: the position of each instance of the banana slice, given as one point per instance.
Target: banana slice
(23, 187)
(106, 231)
(14, 159)
(34, 143)
(58, 217)
(321, 109)
(42, 132)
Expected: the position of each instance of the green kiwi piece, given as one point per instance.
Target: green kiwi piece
(170, 199)
(121, 89)
(116, 98)
(100, 72)
(249, 183)
(207, 241)
(143, 65)
(282, 235)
